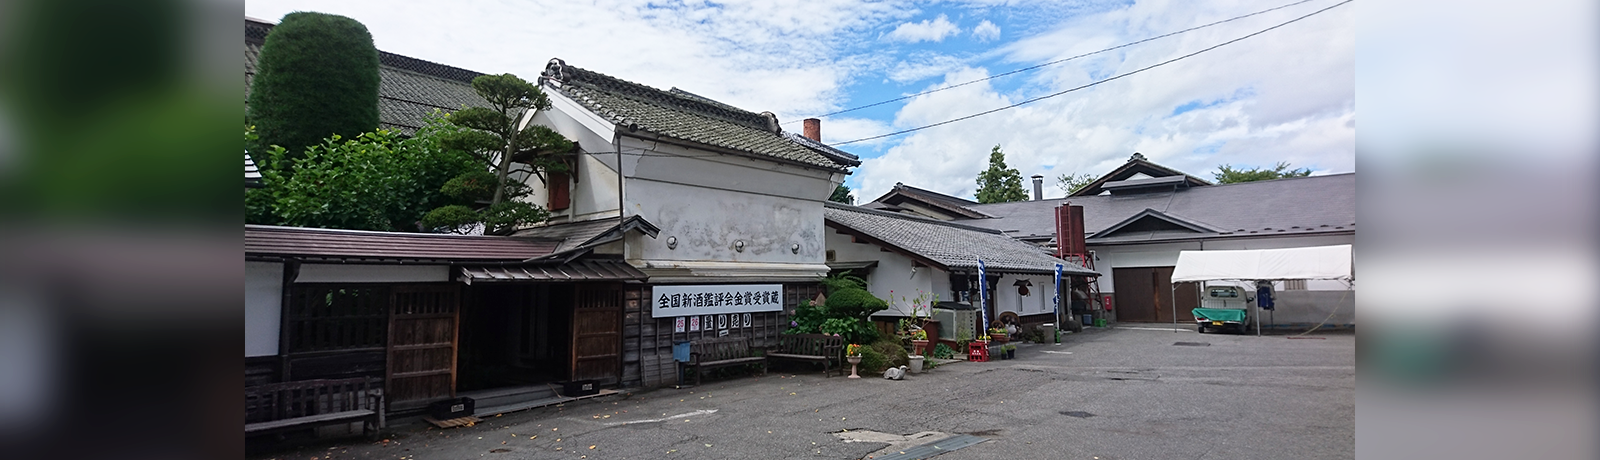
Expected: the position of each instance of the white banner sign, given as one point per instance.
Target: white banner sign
(674, 301)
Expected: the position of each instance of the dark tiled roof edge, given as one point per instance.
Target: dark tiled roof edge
(853, 208)
(566, 74)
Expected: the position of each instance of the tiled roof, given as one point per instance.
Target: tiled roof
(683, 115)
(953, 245)
(359, 244)
(410, 90)
(958, 207)
(1294, 206)
(1136, 164)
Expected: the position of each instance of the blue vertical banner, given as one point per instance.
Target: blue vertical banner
(983, 297)
(1056, 299)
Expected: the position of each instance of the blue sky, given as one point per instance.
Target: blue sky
(1287, 95)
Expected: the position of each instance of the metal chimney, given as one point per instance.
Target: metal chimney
(1038, 187)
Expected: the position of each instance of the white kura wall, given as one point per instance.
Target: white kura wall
(708, 201)
(263, 303)
(595, 186)
(893, 274)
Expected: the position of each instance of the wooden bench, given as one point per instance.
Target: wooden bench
(277, 407)
(722, 352)
(817, 348)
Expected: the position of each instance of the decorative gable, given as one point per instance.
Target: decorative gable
(1152, 222)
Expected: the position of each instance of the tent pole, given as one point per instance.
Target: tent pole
(1172, 301)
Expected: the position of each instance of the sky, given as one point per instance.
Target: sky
(1286, 95)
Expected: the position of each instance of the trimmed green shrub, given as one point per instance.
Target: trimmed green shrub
(317, 77)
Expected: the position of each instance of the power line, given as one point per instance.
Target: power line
(1025, 69)
(1169, 61)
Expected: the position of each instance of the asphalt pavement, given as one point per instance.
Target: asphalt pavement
(1130, 392)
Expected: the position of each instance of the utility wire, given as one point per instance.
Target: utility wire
(1162, 63)
(1025, 69)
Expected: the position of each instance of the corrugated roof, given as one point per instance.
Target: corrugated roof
(952, 245)
(410, 88)
(1301, 205)
(577, 270)
(683, 115)
(360, 244)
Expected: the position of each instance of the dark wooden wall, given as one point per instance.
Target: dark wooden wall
(647, 341)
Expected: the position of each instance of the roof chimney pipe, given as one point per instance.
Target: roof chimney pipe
(813, 129)
(1038, 187)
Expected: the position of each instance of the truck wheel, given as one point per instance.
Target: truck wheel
(1200, 329)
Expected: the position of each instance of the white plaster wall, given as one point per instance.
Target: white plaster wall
(892, 275)
(356, 273)
(708, 201)
(263, 304)
(596, 186)
(1036, 302)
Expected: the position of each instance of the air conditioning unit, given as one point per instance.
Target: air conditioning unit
(954, 317)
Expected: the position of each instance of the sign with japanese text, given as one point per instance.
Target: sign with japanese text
(692, 300)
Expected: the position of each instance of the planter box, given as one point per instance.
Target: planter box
(451, 408)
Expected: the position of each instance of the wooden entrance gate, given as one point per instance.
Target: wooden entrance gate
(423, 330)
(597, 333)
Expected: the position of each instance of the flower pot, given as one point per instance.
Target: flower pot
(919, 347)
(854, 360)
(1011, 354)
(998, 338)
(916, 364)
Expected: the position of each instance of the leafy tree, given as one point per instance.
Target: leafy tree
(377, 181)
(1000, 184)
(1226, 174)
(1072, 183)
(317, 77)
(492, 137)
(841, 194)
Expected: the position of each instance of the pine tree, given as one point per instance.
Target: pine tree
(318, 76)
(1000, 184)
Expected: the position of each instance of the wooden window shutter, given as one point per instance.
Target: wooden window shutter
(560, 191)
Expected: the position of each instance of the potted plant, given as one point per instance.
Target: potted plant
(919, 341)
(852, 353)
(1008, 351)
(998, 334)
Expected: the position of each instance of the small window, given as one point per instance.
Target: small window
(1294, 285)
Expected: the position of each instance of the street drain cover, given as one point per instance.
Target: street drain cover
(1076, 413)
(1191, 344)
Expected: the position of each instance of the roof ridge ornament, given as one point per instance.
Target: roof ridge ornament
(1137, 157)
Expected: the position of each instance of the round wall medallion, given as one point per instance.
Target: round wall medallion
(738, 245)
(794, 248)
(672, 242)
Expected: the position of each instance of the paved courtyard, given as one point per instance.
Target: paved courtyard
(1121, 393)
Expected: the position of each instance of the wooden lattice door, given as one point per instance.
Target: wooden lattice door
(597, 334)
(423, 330)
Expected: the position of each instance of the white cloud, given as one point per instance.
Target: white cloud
(986, 31)
(1284, 96)
(930, 30)
(922, 66)
(787, 57)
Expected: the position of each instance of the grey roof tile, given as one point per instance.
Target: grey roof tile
(1316, 204)
(953, 245)
(683, 115)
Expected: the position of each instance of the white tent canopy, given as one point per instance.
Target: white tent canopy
(1312, 263)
